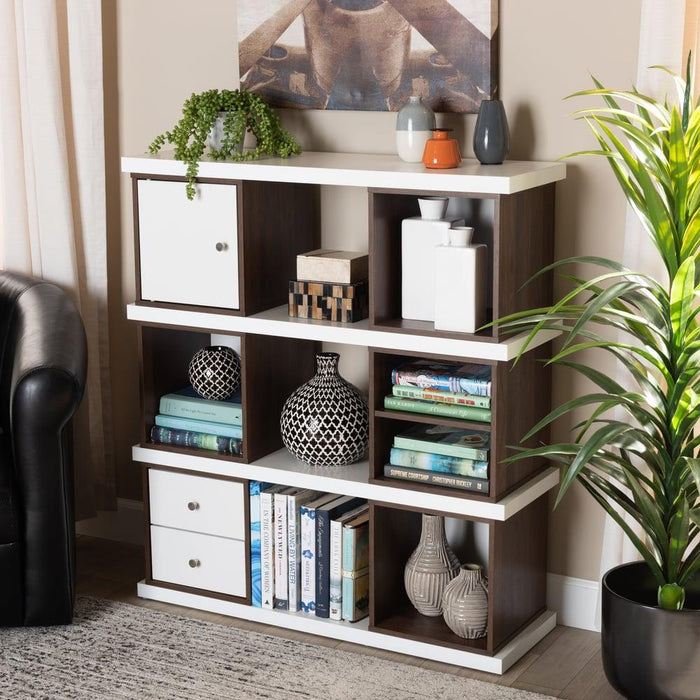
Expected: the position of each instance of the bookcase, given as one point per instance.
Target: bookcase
(197, 537)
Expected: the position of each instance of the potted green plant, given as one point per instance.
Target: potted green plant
(636, 451)
(236, 111)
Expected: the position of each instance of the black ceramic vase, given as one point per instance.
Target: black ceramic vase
(491, 137)
(215, 372)
(325, 422)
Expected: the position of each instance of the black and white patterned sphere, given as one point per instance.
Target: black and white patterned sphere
(325, 422)
(215, 372)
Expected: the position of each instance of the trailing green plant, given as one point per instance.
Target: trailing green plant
(636, 452)
(243, 111)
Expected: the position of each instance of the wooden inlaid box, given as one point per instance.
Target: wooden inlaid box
(324, 301)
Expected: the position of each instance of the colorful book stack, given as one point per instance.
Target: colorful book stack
(442, 389)
(313, 553)
(331, 285)
(441, 455)
(188, 420)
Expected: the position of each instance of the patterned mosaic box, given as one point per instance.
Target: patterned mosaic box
(347, 303)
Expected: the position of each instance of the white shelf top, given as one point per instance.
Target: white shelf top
(277, 322)
(281, 468)
(363, 170)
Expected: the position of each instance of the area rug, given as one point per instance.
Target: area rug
(116, 650)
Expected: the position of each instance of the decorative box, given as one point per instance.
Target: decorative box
(329, 302)
(336, 266)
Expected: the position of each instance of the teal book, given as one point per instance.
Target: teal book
(467, 378)
(425, 476)
(446, 440)
(199, 426)
(425, 394)
(430, 408)
(438, 463)
(355, 571)
(187, 403)
(200, 441)
(254, 488)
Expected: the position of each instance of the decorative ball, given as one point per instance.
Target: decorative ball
(215, 372)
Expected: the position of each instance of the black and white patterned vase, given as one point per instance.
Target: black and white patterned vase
(325, 422)
(215, 372)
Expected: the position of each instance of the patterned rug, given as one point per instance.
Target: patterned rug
(115, 650)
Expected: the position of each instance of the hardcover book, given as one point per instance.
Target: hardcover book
(324, 515)
(438, 463)
(281, 601)
(308, 551)
(355, 571)
(200, 441)
(199, 426)
(267, 545)
(453, 481)
(416, 392)
(446, 440)
(294, 503)
(446, 410)
(187, 403)
(467, 378)
(335, 587)
(254, 488)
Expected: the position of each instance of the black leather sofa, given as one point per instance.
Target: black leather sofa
(43, 363)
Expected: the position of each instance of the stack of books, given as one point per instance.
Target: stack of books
(186, 419)
(331, 285)
(313, 553)
(442, 389)
(441, 455)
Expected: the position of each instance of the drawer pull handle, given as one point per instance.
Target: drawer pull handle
(193, 505)
(221, 246)
(194, 563)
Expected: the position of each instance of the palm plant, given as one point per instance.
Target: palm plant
(636, 452)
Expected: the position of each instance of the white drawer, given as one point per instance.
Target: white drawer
(200, 561)
(197, 503)
(188, 249)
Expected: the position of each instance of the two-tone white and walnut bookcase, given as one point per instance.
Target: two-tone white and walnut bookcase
(220, 266)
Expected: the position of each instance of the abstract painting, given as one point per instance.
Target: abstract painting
(369, 54)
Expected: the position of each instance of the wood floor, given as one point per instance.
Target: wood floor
(565, 664)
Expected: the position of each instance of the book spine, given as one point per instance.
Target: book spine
(440, 382)
(199, 426)
(293, 549)
(335, 587)
(202, 441)
(323, 542)
(308, 564)
(396, 403)
(281, 565)
(348, 565)
(255, 589)
(416, 392)
(189, 407)
(267, 549)
(427, 477)
(438, 463)
(441, 449)
(356, 596)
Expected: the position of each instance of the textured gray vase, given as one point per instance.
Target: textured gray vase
(415, 122)
(430, 568)
(465, 604)
(491, 137)
(325, 422)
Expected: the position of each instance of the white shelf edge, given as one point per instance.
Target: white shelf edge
(358, 632)
(281, 468)
(277, 322)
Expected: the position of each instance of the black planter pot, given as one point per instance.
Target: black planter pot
(649, 653)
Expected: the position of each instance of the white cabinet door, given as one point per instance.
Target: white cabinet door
(200, 561)
(188, 249)
(197, 503)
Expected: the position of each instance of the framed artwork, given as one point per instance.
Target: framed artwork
(369, 54)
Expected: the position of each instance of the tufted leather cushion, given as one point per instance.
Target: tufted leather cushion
(43, 361)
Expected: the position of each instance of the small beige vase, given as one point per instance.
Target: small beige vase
(430, 568)
(465, 603)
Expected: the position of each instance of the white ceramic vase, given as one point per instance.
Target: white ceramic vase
(465, 602)
(415, 122)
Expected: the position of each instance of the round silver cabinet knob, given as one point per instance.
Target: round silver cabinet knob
(193, 505)
(221, 246)
(194, 563)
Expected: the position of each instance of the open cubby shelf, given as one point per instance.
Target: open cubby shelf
(255, 219)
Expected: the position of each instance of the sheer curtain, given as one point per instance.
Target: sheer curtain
(52, 193)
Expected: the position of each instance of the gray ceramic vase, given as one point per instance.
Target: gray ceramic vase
(465, 604)
(491, 137)
(415, 123)
(430, 568)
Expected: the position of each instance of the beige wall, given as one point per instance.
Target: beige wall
(157, 52)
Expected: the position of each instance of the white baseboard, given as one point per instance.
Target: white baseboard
(575, 601)
(124, 524)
